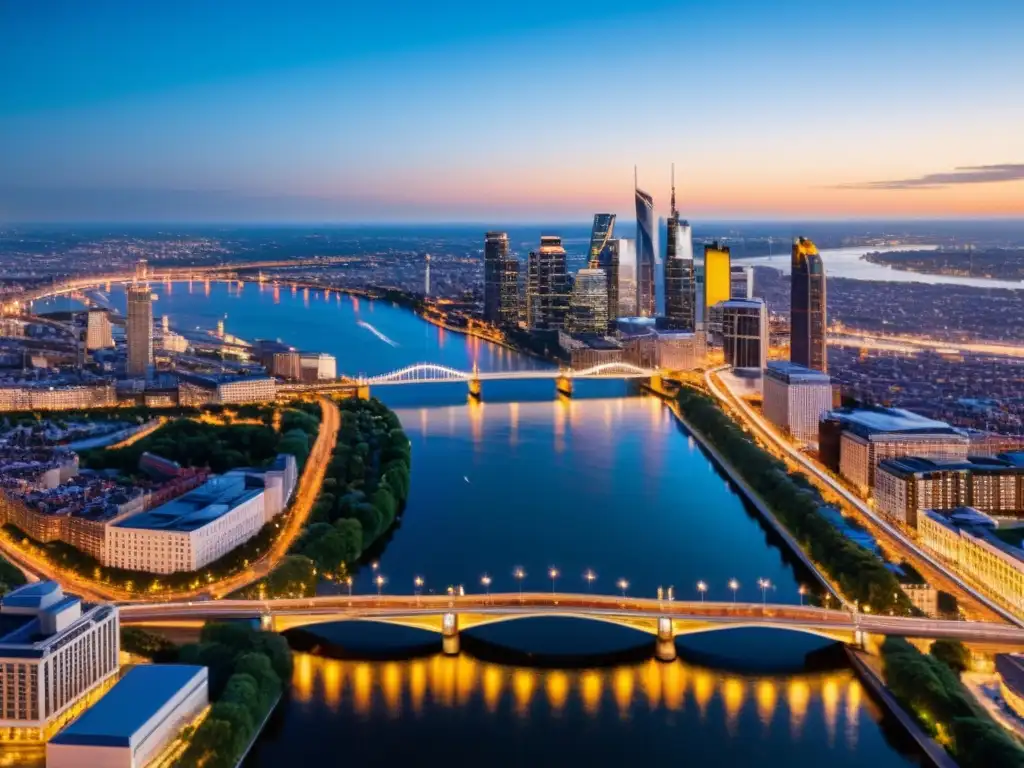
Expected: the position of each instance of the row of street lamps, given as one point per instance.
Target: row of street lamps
(519, 573)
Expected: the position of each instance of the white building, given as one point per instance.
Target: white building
(193, 530)
(98, 334)
(795, 398)
(200, 389)
(741, 282)
(52, 656)
(135, 721)
(317, 366)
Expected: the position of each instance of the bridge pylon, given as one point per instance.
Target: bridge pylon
(563, 384)
(474, 383)
(450, 634)
(363, 391)
(665, 645)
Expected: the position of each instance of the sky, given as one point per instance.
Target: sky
(509, 111)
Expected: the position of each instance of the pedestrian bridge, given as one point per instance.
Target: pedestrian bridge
(448, 615)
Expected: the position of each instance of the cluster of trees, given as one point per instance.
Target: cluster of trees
(248, 670)
(10, 577)
(364, 492)
(148, 645)
(861, 575)
(928, 685)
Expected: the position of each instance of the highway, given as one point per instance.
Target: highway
(770, 434)
(692, 616)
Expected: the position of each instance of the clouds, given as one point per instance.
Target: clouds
(969, 174)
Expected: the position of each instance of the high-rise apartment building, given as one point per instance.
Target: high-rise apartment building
(679, 281)
(741, 282)
(547, 292)
(601, 234)
(139, 329)
(608, 261)
(717, 276)
(745, 333)
(807, 317)
(495, 255)
(97, 332)
(646, 229)
(588, 305)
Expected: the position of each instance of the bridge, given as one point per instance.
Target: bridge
(447, 615)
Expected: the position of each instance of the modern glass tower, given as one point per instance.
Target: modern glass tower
(679, 282)
(627, 277)
(608, 261)
(646, 305)
(588, 305)
(808, 321)
(139, 329)
(495, 255)
(600, 236)
(547, 290)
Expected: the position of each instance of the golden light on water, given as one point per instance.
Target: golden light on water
(831, 700)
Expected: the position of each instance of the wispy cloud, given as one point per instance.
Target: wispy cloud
(970, 174)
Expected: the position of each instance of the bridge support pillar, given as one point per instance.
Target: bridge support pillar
(665, 645)
(450, 634)
(564, 385)
(363, 392)
(474, 388)
(267, 623)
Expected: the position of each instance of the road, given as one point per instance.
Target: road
(600, 607)
(897, 538)
(308, 488)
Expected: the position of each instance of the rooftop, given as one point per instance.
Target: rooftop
(212, 500)
(787, 371)
(907, 465)
(867, 421)
(129, 705)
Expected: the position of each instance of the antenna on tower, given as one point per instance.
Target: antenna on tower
(673, 188)
(636, 181)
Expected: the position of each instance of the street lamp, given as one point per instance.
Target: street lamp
(553, 574)
(417, 582)
(802, 591)
(589, 576)
(702, 587)
(623, 585)
(734, 586)
(380, 583)
(764, 584)
(486, 581)
(374, 565)
(520, 574)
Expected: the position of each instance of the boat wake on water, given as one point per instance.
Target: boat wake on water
(375, 332)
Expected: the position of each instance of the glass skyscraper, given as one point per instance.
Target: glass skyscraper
(679, 278)
(495, 255)
(807, 314)
(547, 291)
(646, 304)
(609, 262)
(627, 277)
(600, 236)
(588, 306)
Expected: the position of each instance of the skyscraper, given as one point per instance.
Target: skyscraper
(508, 310)
(609, 262)
(808, 321)
(645, 234)
(588, 304)
(745, 333)
(627, 277)
(679, 282)
(495, 254)
(717, 276)
(547, 291)
(742, 282)
(600, 236)
(97, 331)
(139, 329)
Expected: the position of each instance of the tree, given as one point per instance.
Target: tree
(953, 654)
(351, 533)
(257, 666)
(214, 744)
(295, 576)
(370, 521)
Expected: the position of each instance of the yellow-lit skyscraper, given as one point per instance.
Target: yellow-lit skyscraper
(717, 275)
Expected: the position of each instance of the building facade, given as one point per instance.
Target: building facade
(609, 262)
(795, 398)
(745, 333)
(139, 330)
(59, 398)
(318, 366)
(627, 277)
(53, 656)
(588, 304)
(547, 296)
(601, 234)
(717, 277)
(646, 230)
(98, 334)
(741, 282)
(808, 318)
(679, 275)
(495, 255)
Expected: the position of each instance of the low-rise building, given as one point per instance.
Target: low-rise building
(200, 389)
(135, 720)
(795, 398)
(53, 655)
(71, 397)
(317, 366)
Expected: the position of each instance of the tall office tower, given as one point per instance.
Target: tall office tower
(646, 298)
(139, 330)
(495, 256)
(508, 309)
(717, 277)
(745, 333)
(426, 278)
(141, 269)
(609, 262)
(741, 282)
(588, 304)
(547, 292)
(600, 236)
(97, 331)
(679, 298)
(627, 277)
(807, 314)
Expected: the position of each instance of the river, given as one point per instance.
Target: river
(849, 263)
(606, 481)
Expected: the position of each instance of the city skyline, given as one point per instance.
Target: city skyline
(322, 115)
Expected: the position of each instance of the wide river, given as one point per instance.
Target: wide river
(606, 481)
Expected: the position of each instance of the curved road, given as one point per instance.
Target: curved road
(768, 432)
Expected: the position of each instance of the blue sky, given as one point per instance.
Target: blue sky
(460, 111)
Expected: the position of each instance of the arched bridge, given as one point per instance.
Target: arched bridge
(424, 373)
(664, 619)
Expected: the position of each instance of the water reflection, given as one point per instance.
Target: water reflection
(391, 688)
